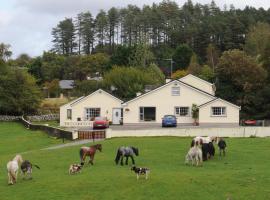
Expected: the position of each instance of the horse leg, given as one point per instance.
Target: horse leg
(133, 161)
(9, 178)
(224, 152)
(126, 160)
(92, 159)
(122, 157)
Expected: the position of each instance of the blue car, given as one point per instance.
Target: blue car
(169, 120)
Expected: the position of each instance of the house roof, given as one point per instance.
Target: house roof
(183, 83)
(190, 75)
(216, 99)
(85, 97)
(66, 84)
(75, 100)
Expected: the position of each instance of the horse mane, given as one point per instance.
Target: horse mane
(135, 150)
(18, 158)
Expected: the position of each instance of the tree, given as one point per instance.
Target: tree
(85, 87)
(194, 67)
(5, 52)
(64, 37)
(113, 19)
(238, 75)
(101, 27)
(129, 80)
(182, 56)
(257, 39)
(206, 73)
(141, 56)
(19, 93)
(88, 32)
(23, 60)
(179, 74)
(52, 88)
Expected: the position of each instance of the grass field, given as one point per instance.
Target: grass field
(243, 175)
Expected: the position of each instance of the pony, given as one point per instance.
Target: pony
(202, 140)
(27, 167)
(89, 151)
(13, 168)
(194, 155)
(75, 168)
(126, 152)
(222, 145)
(141, 171)
(208, 150)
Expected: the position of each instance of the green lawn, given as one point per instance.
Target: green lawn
(243, 175)
(52, 123)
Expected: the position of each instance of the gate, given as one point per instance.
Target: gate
(91, 134)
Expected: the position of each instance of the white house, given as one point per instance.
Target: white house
(81, 111)
(173, 98)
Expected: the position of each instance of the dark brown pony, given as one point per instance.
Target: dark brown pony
(89, 151)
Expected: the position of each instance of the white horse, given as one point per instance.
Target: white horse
(194, 155)
(204, 140)
(13, 168)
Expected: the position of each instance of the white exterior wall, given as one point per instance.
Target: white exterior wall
(231, 117)
(192, 132)
(99, 99)
(165, 103)
(198, 83)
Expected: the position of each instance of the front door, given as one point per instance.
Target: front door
(116, 116)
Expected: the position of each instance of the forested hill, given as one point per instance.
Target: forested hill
(163, 25)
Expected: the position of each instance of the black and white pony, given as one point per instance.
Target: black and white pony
(27, 167)
(126, 152)
(208, 149)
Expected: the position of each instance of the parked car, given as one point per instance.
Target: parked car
(250, 122)
(169, 120)
(100, 122)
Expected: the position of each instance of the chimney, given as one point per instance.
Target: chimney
(168, 80)
(138, 94)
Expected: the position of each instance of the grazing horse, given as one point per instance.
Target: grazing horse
(89, 151)
(27, 168)
(13, 168)
(126, 152)
(194, 155)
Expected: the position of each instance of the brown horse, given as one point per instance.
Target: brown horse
(89, 151)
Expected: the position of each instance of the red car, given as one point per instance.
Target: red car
(100, 122)
(250, 122)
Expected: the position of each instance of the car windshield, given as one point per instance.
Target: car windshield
(100, 118)
(169, 117)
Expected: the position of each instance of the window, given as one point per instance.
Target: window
(182, 111)
(175, 91)
(147, 113)
(218, 111)
(91, 113)
(69, 114)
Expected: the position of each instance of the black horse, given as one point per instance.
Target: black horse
(126, 152)
(208, 150)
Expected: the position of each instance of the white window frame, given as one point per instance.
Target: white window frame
(91, 113)
(218, 111)
(69, 114)
(175, 91)
(179, 109)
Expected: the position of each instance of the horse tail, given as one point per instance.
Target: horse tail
(81, 156)
(37, 166)
(118, 155)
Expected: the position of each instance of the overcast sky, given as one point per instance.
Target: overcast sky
(26, 24)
